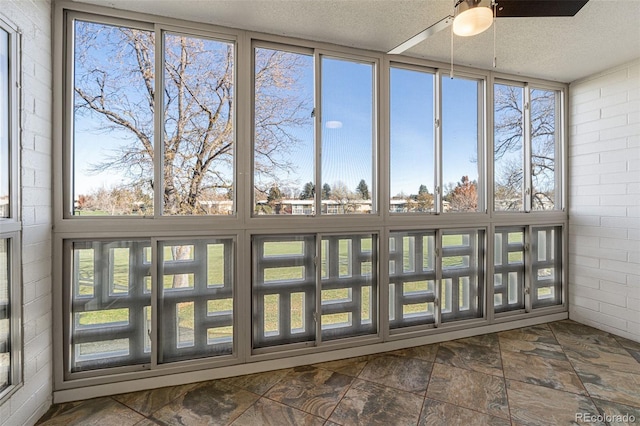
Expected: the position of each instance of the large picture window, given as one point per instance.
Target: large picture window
(229, 198)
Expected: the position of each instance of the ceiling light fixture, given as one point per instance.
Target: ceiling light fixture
(472, 17)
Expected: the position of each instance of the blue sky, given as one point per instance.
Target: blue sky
(347, 131)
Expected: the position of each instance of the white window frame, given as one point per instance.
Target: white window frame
(11, 227)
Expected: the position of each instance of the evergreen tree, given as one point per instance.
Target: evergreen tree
(308, 191)
(326, 191)
(363, 190)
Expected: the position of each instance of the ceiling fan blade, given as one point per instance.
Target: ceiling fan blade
(538, 8)
(422, 35)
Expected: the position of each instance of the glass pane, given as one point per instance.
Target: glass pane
(349, 289)
(543, 149)
(509, 269)
(216, 260)
(297, 313)
(5, 152)
(462, 275)
(5, 315)
(283, 289)
(412, 287)
(412, 147)
(283, 161)
(508, 152)
(113, 120)
(461, 130)
(546, 266)
(110, 321)
(347, 136)
(119, 259)
(199, 134)
(195, 303)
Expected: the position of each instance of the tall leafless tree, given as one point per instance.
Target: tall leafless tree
(115, 89)
(509, 138)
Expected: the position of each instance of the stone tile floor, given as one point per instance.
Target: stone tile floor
(539, 375)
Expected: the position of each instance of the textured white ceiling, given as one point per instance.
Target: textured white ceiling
(605, 33)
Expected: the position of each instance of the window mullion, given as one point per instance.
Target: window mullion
(155, 277)
(527, 268)
(317, 108)
(437, 155)
(158, 125)
(438, 283)
(317, 316)
(560, 163)
(482, 143)
(527, 150)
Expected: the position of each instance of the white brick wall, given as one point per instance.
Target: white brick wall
(604, 200)
(30, 402)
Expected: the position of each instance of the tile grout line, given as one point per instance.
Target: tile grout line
(545, 358)
(424, 400)
(264, 395)
(576, 373)
(504, 380)
(127, 407)
(457, 405)
(353, 379)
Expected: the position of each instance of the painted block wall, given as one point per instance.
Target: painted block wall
(30, 402)
(604, 201)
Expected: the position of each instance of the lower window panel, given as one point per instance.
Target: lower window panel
(462, 283)
(509, 269)
(110, 300)
(110, 304)
(420, 275)
(305, 289)
(546, 266)
(349, 285)
(195, 300)
(412, 278)
(285, 288)
(5, 314)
